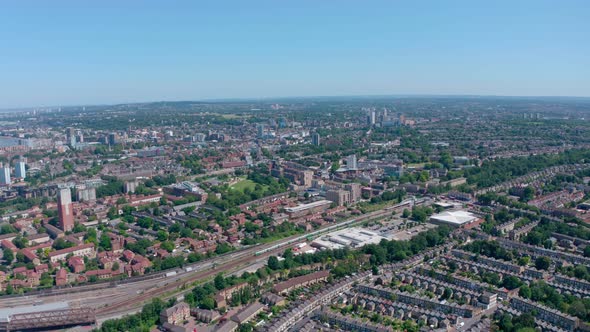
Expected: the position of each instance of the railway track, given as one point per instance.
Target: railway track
(137, 301)
(165, 284)
(250, 256)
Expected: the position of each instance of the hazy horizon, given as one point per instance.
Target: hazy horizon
(288, 98)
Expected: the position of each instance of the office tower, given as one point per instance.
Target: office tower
(315, 139)
(86, 194)
(112, 139)
(5, 175)
(283, 123)
(20, 170)
(71, 136)
(200, 137)
(130, 186)
(351, 162)
(65, 209)
(260, 129)
(371, 118)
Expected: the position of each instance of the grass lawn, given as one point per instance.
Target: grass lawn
(416, 165)
(367, 207)
(242, 185)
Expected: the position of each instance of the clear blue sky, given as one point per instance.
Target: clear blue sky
(88, 52)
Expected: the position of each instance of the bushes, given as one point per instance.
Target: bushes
(490, 249)
(141, 322)
(394, 251)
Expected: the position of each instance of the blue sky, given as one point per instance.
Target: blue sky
(88, 52)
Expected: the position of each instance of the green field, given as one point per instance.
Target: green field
(242, 185)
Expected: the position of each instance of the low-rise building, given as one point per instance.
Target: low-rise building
(176, 315)
(305, 280)
(547, 314)
(248, 313)
(455, 219)
(85, 250)
(205, 316)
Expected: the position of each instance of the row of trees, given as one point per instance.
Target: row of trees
(542, 292)
(395, 251)
(140, 322)
(497, 171)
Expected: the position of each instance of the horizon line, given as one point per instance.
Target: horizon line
(258, 99)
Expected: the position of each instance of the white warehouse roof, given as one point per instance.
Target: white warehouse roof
(454, 218)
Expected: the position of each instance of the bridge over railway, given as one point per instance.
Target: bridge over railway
(44, 320)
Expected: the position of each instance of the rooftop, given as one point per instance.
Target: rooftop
(350, 237)
(303, 207)
(454, 217)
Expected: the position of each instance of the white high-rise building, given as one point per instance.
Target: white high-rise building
(351, 162)
(20, 170)
(5, 175)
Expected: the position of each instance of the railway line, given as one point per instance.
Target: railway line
(243, 259)
(126, 295)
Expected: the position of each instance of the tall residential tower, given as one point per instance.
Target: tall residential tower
(20, 170)
(5, 175)
(65, 209)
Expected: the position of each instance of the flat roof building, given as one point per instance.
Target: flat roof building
(304, 209)
(454, 218)
(351, 237)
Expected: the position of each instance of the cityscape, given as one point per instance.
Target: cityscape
(295, 166)
(348, 214)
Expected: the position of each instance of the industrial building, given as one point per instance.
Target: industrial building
(352, 237)
(455, 218)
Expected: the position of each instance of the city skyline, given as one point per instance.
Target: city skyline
(79, 54)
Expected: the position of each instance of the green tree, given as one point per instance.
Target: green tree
(7, 229)
(9, 289)
(524, 260)
(273, 263)
(207, 303)
(46, 280)
(406, 213)
(60, 243)
(8, 256)
(511, 282)
(105, 242)
(167, 245)
(542, 263)
(219, 281)
(525, 320)
(335, 166)
(20, 242)
(162, 235)
(525, 292)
